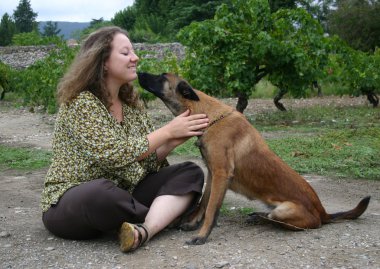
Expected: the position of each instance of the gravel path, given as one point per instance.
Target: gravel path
(24, 243)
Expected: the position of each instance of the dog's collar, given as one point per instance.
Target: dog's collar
(220, 118)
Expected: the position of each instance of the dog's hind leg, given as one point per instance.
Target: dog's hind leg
(294, 217)
(257, 218)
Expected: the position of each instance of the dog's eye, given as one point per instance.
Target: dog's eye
(161, 79)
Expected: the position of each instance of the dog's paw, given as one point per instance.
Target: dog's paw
(197, 240)
(257, 218)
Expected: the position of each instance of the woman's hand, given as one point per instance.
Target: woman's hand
(175, 133)
(185, 126)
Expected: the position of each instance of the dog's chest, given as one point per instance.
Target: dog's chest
(200, 144)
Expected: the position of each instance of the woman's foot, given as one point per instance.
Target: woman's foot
(132, 236)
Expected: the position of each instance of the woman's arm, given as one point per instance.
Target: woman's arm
(181, 128)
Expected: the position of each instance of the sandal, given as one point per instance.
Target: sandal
(127, 236)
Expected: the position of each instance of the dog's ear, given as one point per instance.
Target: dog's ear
(186, 91)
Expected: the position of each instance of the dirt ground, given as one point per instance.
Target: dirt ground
(24, 243)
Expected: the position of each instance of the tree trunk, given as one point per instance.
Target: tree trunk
(277, 99)
(242, 102)
(2, 92)
(373, 99)
(318, 87)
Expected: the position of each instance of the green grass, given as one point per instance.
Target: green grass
(264, 89)
(187, 149)
(338, 142)
(23, 158)
(338, 153)
(232, 211)
(318, 118)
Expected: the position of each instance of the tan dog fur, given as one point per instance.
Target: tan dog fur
(238, 158)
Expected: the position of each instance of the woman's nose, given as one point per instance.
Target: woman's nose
(135, 58)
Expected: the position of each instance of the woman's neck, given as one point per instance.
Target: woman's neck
(113, 89)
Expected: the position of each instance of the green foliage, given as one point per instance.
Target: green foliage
(159, 21)
(183, 13)
(357, 22)
(125, 18)
(150, 64)
(25, 17)
(220, 55)
(51, 29)
(298, 51)
(244, 42)
(7, 30)
(356, 70)
(264, 90)
(94, 25)
(37, 84)
(275, 5)
(23, 158)
(4, 79)
(150, 29)
(34, 38)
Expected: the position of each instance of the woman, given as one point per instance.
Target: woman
(109, 168)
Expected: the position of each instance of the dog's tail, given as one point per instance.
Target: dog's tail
(350, 214)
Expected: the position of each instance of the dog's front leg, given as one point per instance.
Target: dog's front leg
(219, 186)
(197, 216)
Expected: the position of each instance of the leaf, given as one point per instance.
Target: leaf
(336, 147)
(297, 154)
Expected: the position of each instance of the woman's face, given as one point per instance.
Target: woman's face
(122, 62)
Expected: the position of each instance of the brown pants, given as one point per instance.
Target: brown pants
(97, 206)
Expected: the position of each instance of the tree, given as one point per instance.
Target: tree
(299, 53)
(160, 20)
(24, 17)
(244, 42)
(94, 25)
(282, 4)
(51, 29)
(95, 22)
(125, 18)
(319, 9)
(186, 12)
(7, 30)
(357, 22)
(356, 70)
(4, 79)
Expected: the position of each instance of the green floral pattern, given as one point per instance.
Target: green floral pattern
(89, 144)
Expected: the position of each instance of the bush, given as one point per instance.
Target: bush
(4, 79)
(34, 38)
(170, 63)
(37, 84)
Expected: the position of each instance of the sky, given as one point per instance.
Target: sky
(69, 10)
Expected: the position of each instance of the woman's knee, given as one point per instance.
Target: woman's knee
(197, 171)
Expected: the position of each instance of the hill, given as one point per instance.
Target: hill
(67, 28)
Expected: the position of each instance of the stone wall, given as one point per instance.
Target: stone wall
(23, 56)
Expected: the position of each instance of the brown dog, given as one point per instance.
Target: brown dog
(238, 158)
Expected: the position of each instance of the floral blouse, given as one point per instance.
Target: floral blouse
(89, 144)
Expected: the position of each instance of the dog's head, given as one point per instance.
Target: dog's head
(174, 91)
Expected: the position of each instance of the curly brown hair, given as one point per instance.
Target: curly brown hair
(86, 73)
